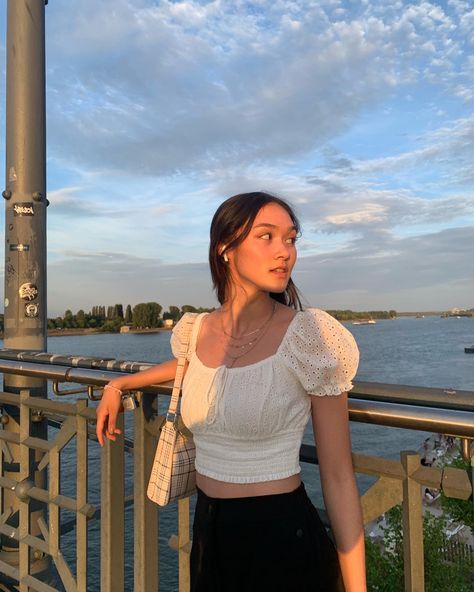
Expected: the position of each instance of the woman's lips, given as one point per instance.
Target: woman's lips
(280, 271)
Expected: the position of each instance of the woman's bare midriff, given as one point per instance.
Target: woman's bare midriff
(221, 489)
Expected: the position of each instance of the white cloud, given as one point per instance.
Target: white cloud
(450, 148)
(418, 273)
(371, 212)
(157, 88)
(69, 202)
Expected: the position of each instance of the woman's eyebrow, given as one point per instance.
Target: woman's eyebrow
(268, 225)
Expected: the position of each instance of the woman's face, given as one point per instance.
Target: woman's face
(264, 260)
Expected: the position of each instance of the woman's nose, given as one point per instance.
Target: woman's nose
(283, 250)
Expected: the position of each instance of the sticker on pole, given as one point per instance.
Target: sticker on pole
(24, 208)
(20, 248)
(12, 176)
(31, 310)
(28, 291)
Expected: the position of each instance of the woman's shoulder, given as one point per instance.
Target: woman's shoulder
(315, 327)
(185, 329)
(321, 352)
(317, 314)
(187, 316)
(185, 322)
(314, 318)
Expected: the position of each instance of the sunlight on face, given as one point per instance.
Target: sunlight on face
(265, 258)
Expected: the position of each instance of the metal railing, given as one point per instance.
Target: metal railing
(39, 541)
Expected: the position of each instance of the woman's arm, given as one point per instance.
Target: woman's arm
(111, 402)
(332, 437)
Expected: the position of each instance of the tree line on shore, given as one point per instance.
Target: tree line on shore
(151, 315)
(350, 315)
(145, 315)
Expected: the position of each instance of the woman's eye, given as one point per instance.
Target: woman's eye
(292, 240)
(266, 236)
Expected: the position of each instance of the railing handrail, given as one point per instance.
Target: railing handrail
(409, 407)
(443, 398)
(75, 361)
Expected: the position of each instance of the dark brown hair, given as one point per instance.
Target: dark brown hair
(230, 225)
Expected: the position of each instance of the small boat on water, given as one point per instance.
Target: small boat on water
(469, 350)
(364, 322)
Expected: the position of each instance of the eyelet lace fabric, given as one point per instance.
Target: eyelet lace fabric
(248, 421)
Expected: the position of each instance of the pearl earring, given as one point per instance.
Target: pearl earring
(226, 259)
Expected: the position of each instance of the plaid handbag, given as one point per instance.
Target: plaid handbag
(173, 475)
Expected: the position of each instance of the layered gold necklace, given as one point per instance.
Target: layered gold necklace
(235, 349)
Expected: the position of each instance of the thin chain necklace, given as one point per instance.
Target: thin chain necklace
(250, 332)
(243, 334)
(245, 348)
(241, 345)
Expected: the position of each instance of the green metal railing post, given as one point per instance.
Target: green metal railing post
(412, 525)
(184, 545)
(146, 563)
(81, 487)
(112, 522)
(24, 511)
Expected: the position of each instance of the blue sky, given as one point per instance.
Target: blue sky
(359, 113)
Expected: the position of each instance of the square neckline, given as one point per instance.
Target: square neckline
(197, 330)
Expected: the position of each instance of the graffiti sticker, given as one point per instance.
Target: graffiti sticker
(24, 208)
(28, 291)
(31, 310)
(21, 248)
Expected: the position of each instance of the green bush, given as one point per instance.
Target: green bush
(458, 510)
(385, 561)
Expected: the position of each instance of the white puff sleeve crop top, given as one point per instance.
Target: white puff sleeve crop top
(248, 422)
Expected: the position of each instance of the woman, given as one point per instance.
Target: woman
(259, 367)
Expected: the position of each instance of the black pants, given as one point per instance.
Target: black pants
(271, 543)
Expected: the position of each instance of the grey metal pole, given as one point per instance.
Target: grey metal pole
(25, 226)
(25, 193)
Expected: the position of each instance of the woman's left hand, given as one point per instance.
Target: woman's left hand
(107, 412)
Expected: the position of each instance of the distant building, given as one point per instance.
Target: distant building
(459, 312)
(168, 323)
(125, 328)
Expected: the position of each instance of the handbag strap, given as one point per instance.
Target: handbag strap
(178, 379)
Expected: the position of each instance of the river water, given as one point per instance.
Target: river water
(422, 352)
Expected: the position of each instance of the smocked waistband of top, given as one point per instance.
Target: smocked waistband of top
(234, 461)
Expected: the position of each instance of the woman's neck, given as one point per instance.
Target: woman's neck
(240, 315)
